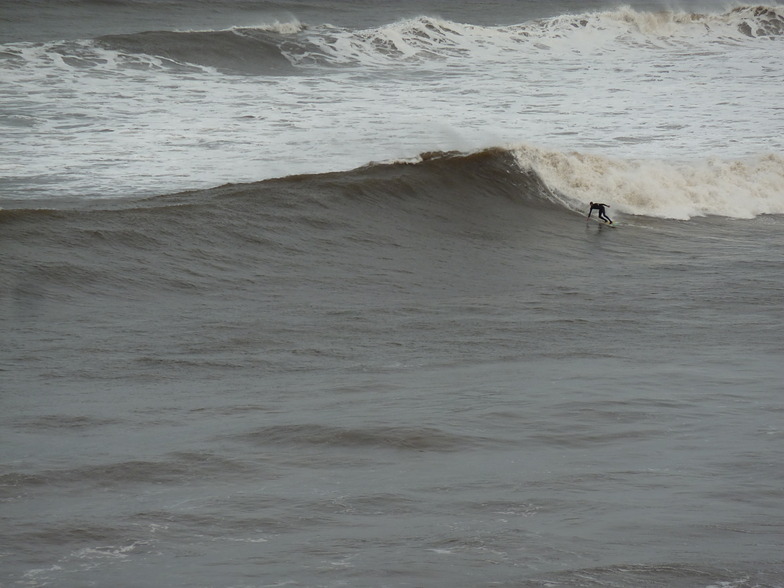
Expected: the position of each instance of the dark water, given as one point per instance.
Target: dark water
(427, 374)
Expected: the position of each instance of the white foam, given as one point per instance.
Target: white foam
(291, 26)
(738, 188)
(107, 551)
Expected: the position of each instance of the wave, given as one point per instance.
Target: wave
(367, 228)
(523, 173)
(260, 50)
(538, 177)
(426, 38)
(674, 190)
(247, 51)
(280, 48)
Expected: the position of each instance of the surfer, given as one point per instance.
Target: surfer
(600, 208)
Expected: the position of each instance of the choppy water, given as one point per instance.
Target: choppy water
(121, 110)
(426, 372)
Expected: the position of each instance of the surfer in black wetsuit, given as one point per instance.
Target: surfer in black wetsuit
(600, 208)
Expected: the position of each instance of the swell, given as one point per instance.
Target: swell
(275, 47)
(383, 437)
(247, 51)
(320, 227)
(177, 467)
(268, 230)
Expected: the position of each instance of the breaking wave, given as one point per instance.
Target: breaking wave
(524, 173)
(676, 190)
(276, 48)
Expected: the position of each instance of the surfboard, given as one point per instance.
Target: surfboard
(601, 222)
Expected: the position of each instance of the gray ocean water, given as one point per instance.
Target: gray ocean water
(425, 373)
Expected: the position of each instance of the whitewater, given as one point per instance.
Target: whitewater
(676, 113)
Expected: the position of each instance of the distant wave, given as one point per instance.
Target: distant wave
(424, 38)
(248, 51)
(276, 48)
(749, 21)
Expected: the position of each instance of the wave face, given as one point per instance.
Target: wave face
(255, 52)
(270, 222)
(336, 226)
(313, 229)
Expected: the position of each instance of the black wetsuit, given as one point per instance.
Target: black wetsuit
(600, 208)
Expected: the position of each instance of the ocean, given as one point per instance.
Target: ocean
(303, 293)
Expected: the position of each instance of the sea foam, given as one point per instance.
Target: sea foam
(678, 190)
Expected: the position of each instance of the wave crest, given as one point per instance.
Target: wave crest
(424, 38)
(677, 190)
(248, 51)
(749, 21)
